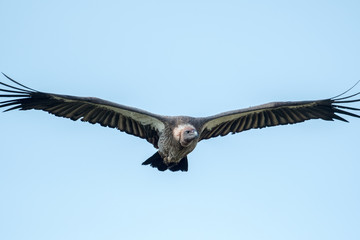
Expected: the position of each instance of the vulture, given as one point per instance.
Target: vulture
(174, 137)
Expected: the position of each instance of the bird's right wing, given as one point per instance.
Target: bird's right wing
(131, 120)
(276, 113)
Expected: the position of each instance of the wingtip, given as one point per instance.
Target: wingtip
(346, 91)
(6, 75)
(18, 83)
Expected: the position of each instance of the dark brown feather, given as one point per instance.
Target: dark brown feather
(273, 114)
(93, 110)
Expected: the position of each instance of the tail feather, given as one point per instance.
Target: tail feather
(156, 161)
(182, 166)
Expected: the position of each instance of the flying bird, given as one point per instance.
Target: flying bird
(174, 136)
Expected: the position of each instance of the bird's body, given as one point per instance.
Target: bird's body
(172, 147)
(174, 137)
(178, 138)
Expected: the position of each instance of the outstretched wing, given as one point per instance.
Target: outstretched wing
(133, 121)
(277, 113)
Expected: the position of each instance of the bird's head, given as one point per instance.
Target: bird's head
(185, 134)
(188, 135)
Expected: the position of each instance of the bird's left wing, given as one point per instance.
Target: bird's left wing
(276, 113)
(131, 120)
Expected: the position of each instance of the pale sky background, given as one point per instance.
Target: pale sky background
(61, 179)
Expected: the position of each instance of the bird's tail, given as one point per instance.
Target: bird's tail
(156, 161)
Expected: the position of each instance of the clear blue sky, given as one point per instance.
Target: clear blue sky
(61, 179)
